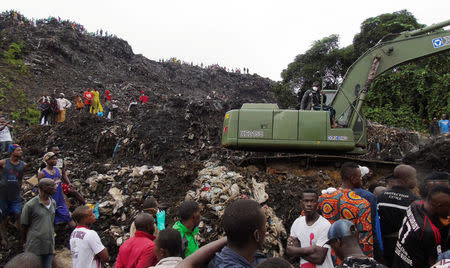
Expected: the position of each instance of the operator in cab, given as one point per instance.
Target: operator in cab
(316, 99)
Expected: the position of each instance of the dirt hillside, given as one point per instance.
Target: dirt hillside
(169, 148)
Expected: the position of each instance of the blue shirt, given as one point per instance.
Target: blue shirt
(443, 124)
(374, 213)
(228, 258)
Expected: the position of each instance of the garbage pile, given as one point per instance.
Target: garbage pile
(432, 157)
(116, 197)
(217, 186)
(392, 143)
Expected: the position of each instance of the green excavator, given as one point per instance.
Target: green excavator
(259, 126)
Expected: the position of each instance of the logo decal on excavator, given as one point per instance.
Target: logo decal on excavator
(251, 134)
(337, 138)
(441, 41)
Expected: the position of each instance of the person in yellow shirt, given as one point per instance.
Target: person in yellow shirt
(96, 107)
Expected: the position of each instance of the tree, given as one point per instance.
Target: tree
(384, 26)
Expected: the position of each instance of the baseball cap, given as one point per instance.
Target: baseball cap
(340, 229)
(364, 170)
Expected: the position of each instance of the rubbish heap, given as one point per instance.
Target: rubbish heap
(392, 143)
(116, 197)
(215, 187)
(434, 156)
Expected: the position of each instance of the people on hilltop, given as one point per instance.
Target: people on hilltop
(108, 103)
(44, 107)
(79, 104)
(53, 113)
(63, 105)
(143, 99)
(444, 124)
(434, 128)
(88, 97)
(6, 128)
(96, 107)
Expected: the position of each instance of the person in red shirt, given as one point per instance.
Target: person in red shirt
(143, 99)
(138, 251)
(88, 96)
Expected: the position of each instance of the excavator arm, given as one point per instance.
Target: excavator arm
(384, 56)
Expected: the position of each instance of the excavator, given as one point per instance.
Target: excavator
(263, 126)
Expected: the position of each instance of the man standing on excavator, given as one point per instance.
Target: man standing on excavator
(316, 99)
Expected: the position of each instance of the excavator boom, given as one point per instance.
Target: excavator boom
(384, 56)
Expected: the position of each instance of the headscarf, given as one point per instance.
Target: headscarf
(47, 156)
(12, 147)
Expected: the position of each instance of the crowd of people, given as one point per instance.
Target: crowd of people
(209, 67)
(53, 110)
(439, 127)
(20, 20)
(388, 226)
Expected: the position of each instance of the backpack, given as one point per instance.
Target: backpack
(45, 106)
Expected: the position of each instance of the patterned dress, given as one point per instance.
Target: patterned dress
(346, 204)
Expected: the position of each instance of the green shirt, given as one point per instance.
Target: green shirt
(186, 234)
(39, 219)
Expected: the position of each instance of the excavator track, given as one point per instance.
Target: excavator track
(307, 160)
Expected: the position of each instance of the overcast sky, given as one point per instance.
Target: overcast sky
(264, 36)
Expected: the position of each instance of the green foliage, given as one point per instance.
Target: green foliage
(414, 93)
(15, 101)
(285, 97)
(383, 26)
(324, 58)
(13, 56)
(28, 115)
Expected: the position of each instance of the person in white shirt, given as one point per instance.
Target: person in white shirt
(63, 105)
(5, 134)
(308, 236)
(85, 246)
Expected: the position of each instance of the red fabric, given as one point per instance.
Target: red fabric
(107, 96)
(137, 252)
(87, 95)
(143, 99)
(65, 188)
